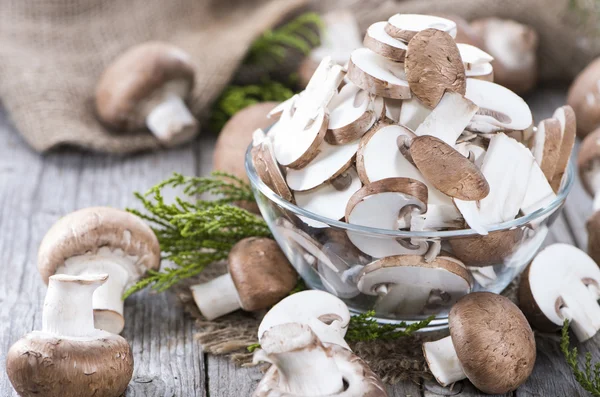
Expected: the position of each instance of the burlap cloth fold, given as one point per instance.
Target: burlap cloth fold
(53, 51)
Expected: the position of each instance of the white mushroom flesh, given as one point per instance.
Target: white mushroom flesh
(443, 362)
(349, 106)
(417, 22)
(377, 32)
(539, 193)
(413, 113)
(393, 108)
(378, 67)
(476, 61)
(216, 297)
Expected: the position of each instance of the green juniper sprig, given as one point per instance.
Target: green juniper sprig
(364, 327)
(589, 376)
(193, 232)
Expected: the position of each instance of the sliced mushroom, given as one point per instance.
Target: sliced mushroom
(562, 283)
(492, 249)
(484, 276)
(545, 146)
(377, 74)
(449, 118)
(379, 41)
(584, 98)
(568, 126)
(588, 164)
(382, 205)
(267, 169)
(477, 62)
(499, 108)
(539, 193)
(434, 158)
(475, 153)
(393, 108)
(405, 26)
(338, 274)
(329, 199)
(413, 113)
(433, 66)
(407, 284)
(477, 322)
(352, 114)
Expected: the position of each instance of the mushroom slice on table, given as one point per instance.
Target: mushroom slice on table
(268, 170)
(405, 26)
(259, 275)
(476, 61)
(433, 66)
(303, 365)
(379, 41)
(352, 114)
(448, 119)
(545, 146)
(383, 205)
(101, 240)
(412, 113)
(491, 249)
(69, 357)
(377, 74)
(324, 313)
(146, 87)
(562, 283)
(448, 170)
(407, 284)
(584, 98)
(330, 199)
(568, 128)
(500, 109)
(477, 321)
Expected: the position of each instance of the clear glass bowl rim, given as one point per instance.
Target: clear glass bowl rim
(561, 196)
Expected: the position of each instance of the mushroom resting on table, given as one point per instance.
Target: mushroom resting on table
(147, 86)
(490, 343)
(589, 172)
(69, 357)
(101, 240)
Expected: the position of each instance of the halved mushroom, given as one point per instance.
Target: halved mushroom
(477, 62)
(412, 113)
(329, 199)
(267, 168)
(562, 282)
(434, 158)
(377, 74)
(405, 26)
(545, 146)
(449, 118)
(324, 313)
(433, 66)
(379, 41)
(407, 284)
(490, 343)
(491, 249)
(303, 365)
(568, 128)
(352, 114)
(383, 204)
(499, 108)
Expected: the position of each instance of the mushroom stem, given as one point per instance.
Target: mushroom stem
(216, 297)
(403, 298)
(68, 305)
(304, 365)
(443, 361)
(171, 120)
(580, 306)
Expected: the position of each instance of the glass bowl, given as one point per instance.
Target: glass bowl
(320, 250)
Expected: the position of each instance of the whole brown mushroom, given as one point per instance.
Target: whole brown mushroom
(146, 86)
(584, 98)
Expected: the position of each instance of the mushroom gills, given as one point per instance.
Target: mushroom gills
(443, 362)
(216, 297)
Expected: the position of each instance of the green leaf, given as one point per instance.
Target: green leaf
(253, 347)
(589, 376)
(364, 327)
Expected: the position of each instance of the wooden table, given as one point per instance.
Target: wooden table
(36, 190)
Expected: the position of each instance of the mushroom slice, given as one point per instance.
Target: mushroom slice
(379, 41)
(545, 146)
(268, 170)
(405, 26)
(539, 193)
(472, 151)
(337, 274)
(377, 74)
(305, 366)
(331, 162)
(413, 113)
(329, 199)
(562, 282)
(434, 158)
(407, 284)
(433, 66)
(484, 276)
(477, 62)
(284, 106)
(393, 108)
(568, 125)
(325, 314)
(482, 251)
(352, 114)
(449, 118)
(499, 108)
(382, 205)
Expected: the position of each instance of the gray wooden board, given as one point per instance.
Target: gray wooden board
(35, 190)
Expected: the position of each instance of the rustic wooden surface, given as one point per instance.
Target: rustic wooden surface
(35, 190)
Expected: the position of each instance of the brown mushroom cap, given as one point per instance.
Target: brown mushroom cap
(530, 308)
(433, 65)
(584, 98)
(89, 229)
(588, 152)
(261, 272)
(38, 365)
(136, 77)
(269, 172)
(550, 147)
(593, 229)
(566, 116)
(493, 341)
(487, 250)
(448, 170)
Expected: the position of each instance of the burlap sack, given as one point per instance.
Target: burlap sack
(53, 51)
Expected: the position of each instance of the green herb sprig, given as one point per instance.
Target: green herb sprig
(193, 232)
(589, 376)
(364, 327)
